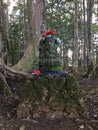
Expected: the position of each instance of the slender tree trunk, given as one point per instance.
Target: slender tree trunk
(96, 44)
(85, 37)
(75, 52)
(89, 37)
(44, 19)
(3, 30)
(1, 45)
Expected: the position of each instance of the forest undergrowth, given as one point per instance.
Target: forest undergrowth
(53, 120)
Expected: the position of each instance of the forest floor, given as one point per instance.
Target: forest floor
(9, 121)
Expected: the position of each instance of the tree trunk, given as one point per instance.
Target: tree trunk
(89, 38)
(85, 38)
(9, 76)
(4, 86)
(29, 61)
(25, 25)
(2, 30)
(75, 51)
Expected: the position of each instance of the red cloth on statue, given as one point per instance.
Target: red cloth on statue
(49, 32)
(37, 72)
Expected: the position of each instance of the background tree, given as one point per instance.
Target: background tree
(76, 48)
(3, 31)
(84, 35)
(89, 36)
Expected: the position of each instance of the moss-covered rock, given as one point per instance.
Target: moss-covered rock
(47, 93)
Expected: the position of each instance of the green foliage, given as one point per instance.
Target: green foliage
(16, 41)
(60, 15)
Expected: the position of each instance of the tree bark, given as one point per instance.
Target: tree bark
(89, 38)
(75, 51)
(85, 37)
(8, 75)
(4, 86)
(29, 61)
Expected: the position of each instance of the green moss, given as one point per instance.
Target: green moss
(27, 65)
(61, 93)
(28, 91)
(58, 69)
(5, 89)
(59, 99)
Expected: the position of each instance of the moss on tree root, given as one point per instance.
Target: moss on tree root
(4, 86)
(52, 93)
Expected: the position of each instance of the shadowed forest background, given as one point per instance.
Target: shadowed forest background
(22, 22)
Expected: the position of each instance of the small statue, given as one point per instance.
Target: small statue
(49, 57)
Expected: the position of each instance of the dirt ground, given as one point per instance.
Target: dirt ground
(53, 121)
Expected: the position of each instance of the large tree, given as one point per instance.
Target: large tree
(26, 64)
(35, 9)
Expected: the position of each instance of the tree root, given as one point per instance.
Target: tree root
(4, 86)
(91, 121)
